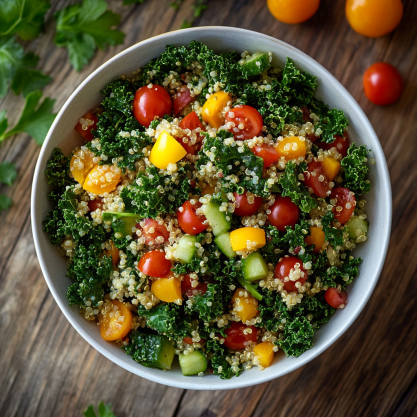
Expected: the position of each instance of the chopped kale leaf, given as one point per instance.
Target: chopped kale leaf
(356, 169)
(332, 124)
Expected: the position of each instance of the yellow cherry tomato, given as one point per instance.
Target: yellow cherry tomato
(293, 11)
(265, 353)
(102, 179)
(316, 238)
(331, 167)
(247, 238)
(374, 18)
(166, 151)
(116, 324)
(212, 108)
(244, 305)
(81, 164)
(167, 289)
(291, 147)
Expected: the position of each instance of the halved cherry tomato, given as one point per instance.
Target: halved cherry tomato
(248, 118)
(158, 230)
(189, 341)
(335, 298)
(340, 143)
(150, 103)
(383, 83)
(237, 339)
(345, 199)
(283, 213)
(284, 268)
(189, 221)
(307, 118)
(113, 329)
(187, 288)
(243, 207)
(186, 144)
(181, 100)
(312, 179)
(154, 264)
(191, 121)
(93, 205)
(267, 153)
(86, 124)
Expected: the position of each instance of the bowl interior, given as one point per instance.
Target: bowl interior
(88, 96)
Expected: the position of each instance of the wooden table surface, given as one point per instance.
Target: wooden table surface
(47, 369)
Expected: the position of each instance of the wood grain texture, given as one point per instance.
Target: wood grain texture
(47, 369)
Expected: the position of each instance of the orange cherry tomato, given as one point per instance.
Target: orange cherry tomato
(86, 124)
(293, 11)
(383, 83)
(374, 18)
(114, 328)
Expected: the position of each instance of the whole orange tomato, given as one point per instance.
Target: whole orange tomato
(293, 11)
(374, 18)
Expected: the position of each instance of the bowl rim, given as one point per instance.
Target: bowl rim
(234, 382)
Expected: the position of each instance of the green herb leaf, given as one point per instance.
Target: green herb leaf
(36, 119)
(334, 123)
(82, 28)
(103, 411)
(356, 169)
(333, 235)
(58, 169)
(219, 362)
(23, 17)
(8, 173)
(5, 202)
(186, 24)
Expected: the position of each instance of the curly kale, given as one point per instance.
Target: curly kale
(292, 188)
(333, 123)
(229, 161)
(58, 169)
(356, 169)
(153, 194)
(333, 235)
(341, 275)
(219, 362)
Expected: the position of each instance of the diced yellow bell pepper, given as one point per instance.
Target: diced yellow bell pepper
(213, 106)
(167, 289)
(244, 305)
(102, 179)
(316, 238)
(331, 167)
(291, 147)
(265, 353)
(81, 164)
(166, 151)
(247, 238)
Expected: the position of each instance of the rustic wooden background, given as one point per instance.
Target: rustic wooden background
(47, 369)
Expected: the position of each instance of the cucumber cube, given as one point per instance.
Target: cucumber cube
(193, 363)
(357, 227)
(254, 267)
(223, 242)
(216, 218)
(186, 249)
(257, 63)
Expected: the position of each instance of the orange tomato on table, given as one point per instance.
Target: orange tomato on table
(293, 11)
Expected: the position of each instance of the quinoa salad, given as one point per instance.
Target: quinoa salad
(211, 213)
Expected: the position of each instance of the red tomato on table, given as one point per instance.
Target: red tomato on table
(189, 221)
(383, 83)
(345, 199)
(237, 339)
(243, 207)
(336, 298)
(283, 213)
(158, 230)
(283, 270)
(154, 264)
(247, 117)
(312, 179)
(268, 153)
(150, 103)
(86, 124)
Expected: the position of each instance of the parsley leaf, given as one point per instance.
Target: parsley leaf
(23, 17)
(36, 119)
(18, 69)
(103, 411)
(5, 202)
(8, 173)
(82, 28)
(292, 188)
(356, 169)
(333, 123)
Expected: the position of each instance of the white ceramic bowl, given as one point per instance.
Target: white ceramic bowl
(88, 96)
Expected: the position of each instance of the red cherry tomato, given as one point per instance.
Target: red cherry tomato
(181, 100)
(187, 288)
(237, 339)
(150, 103)
(267, 153)
(307, 118)
(86, 124)
(158, 230)
(383, 83)
(191, 121)
(340, 143)
(248, 117)
(154, 264)
(283, 269)
(93, 205)
(312, 179)
(283, 213)
(336, 298)
(189, 221)
(243, 207)
(343, 197)
(186, 144)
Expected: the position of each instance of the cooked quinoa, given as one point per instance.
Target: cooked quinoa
(212, 212)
